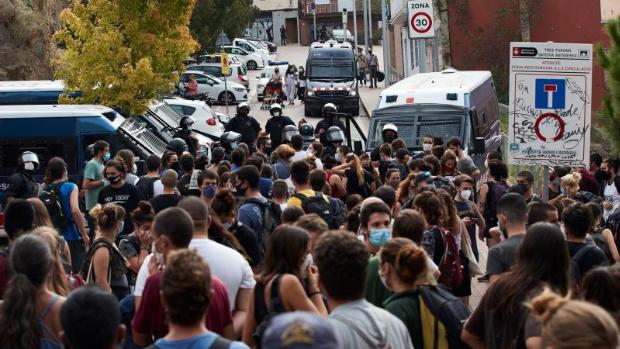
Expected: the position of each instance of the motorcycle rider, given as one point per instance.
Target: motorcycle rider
(245, 125)
(329, 112)
(185, 133)
(21, 185)
(275, 125)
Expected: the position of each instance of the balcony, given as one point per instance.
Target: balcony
(321, 9)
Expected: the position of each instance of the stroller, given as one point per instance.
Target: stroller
(273, 94)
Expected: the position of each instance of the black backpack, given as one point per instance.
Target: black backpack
(331, 210)
(447, 309)
(575, 270)
(50, 196)
(599, 240)
(496, 191)
(145, 187)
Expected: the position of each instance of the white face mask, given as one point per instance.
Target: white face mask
(159, 257)
(427, 147)
(338, 158)
(134, 169)
(29, 166)
(465, 194)
(308, 261)
(384, 280)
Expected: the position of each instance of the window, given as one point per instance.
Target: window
(187, 110)
(45, 148)
(184, 78)
(202, 79)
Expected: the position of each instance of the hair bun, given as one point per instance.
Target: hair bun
(145, 207)
(545, 305)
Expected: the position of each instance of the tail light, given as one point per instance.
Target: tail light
(211, 122)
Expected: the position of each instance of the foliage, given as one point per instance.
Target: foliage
(123, 53)
(610, 61)
(211, 17)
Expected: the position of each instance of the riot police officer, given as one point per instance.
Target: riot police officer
(328, 112)
(185, 133)
(245, 125)
(306, 130)
(21, 185)
(275, 125)
(334, 137)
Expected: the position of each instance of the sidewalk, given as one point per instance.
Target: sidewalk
(370, 96)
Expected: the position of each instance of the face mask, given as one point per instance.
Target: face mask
(600, 175)
(338, 158)
(227, 225)
(114, 179)
(465, 194)
(240, 190)
(190, 127)
(276, 113)
(209, 191)
(159, 257)
(384, 281)
(106, 156)
(233, 146)
(175, 166)
(120, 229)
(606, 175)
(134, 169)
(377, 237)
(427, 147)
(29, 166)
(388, 138)
(308, 261)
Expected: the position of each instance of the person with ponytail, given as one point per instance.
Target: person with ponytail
(403, 269)
(354, 178)
(58, 281)
(568, 324)
(137, 245)
(104, 264)
(30, 312)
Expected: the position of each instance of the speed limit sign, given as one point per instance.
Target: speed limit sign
(420, 14)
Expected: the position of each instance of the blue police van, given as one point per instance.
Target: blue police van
(30, 92)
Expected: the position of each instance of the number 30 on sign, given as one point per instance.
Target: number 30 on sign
(420, 14)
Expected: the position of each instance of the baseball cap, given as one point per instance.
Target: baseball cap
(300, 330)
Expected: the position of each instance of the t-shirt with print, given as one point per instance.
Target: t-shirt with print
(226, 264)
(202, 341)
(125, 196)
(150, 317)
(94, 172)
(503, 255)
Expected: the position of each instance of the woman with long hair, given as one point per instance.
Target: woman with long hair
(128, 158)
(58, 282)
(137, 245)
(500, 319)
(287, 264)
(42, 219)
(104, 264)
(448, 165)
(355, 179)
(600, 287)
(602, 236)
(30, 312)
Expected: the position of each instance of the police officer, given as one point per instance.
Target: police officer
(329, 112)
(178, 146)
(334, 137)
(275, 125)
(389, 134)
(185, 133)
(229, 141)
(288, 132)
(306, 130)
(245, 125)
(21, 185)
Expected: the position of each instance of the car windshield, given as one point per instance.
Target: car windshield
(321, 71)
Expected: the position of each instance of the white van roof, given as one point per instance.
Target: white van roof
(434, 87)
(31, 85)
(53, 111)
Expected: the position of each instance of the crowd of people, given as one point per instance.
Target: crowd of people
(288, 239)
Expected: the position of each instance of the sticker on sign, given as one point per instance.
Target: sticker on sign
(420, 19)
(550, 104)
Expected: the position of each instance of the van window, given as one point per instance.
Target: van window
(45, 148)
(332, 53)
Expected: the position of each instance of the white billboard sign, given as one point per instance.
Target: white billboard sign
(550, 97)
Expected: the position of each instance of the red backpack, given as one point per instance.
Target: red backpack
(451, 267)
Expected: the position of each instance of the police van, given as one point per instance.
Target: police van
(30, 92)
(444, 104)
(331, 72)
(67, 131)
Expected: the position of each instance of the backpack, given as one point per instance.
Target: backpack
(450, 266)
(145, 187)
(219, 343)
(272, 215)
(496, 191)
(51, 198)
(586, 196)
(331, 211)
(599, 240)
(442, 316)
(264, 314)
(575, 270)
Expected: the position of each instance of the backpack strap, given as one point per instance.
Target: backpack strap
(275, 302)
(220, 343)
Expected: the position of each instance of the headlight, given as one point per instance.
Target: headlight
(352, 93)
(310, 93)
(239, 89)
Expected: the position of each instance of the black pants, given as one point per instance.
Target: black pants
(76, 247)
(373, 76)
(301, 93)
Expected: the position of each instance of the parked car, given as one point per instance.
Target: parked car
(214, 87)
(217, 58)
(252, 60)
(207, 120)
(265, 76)
(237, 72)
(343, 35)
(251, 46)
(270, 45)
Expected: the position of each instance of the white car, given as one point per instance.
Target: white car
(252, 60)
(236, 73)
(251, 46)
(214, 87)
(265, 76)
(206, 119)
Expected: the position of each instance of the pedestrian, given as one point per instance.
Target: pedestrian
(188, 183)
(602, 237)
(21, 184)
(169, 197)
(301, 92)
(137, 245)
(328, 112)
(18, 220)
(290, 84)
(104, 264)
(490, 193)
(282, 35)
(128, 157)
(119, 192)
(275, 125)
(289, 281)
(30, 312)
(610, 187)
(355, 179)
(342, 262)
(94, 181)
(146, 183)
(57, 281)
(68, 219)
(373, 64)
(468, 210)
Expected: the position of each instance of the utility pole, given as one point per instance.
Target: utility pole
(364, 9)
(313, 6)
(370, 21)
(355, 25)
(384, 42)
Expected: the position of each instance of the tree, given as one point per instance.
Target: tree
(210, 17)
(610, 61)
(123, 53)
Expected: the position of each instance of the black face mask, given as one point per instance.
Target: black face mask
(175, 166)
(267, 150)
(114, 179)
(240, 191)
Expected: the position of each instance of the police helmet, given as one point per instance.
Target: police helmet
(177, 145)
(274, 107)
(230, 137)
(307, 132)
(289, 131)
(329, 108)
(390, 127)
(243, 105)
(29, 160)
(334, 135)
(186, 121)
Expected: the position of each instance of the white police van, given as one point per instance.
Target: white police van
(444, 104)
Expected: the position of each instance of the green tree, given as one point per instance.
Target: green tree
(610, 61)
(210, 17)
(123, 53)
